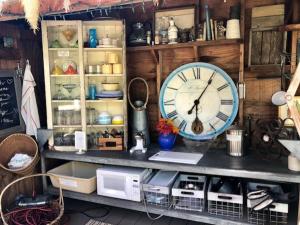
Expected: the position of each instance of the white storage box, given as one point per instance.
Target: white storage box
(188, 192)
(223, 203)
(75, 176)
(277, 213)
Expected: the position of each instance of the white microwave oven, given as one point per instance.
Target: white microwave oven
(121, 182)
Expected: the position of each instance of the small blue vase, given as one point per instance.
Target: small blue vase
(92, 38)
(166, 142)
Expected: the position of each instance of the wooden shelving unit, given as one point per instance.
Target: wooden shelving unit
(52, 31)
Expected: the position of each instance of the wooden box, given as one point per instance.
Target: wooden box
(110, 144)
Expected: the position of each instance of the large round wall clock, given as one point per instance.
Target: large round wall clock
(201, 99)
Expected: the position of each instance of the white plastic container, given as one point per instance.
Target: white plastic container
(75, 176)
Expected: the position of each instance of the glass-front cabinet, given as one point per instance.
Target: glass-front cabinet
(85, 79)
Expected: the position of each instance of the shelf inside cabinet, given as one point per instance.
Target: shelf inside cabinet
(104, 75)
(67, 126)
(71, 101)
(103, 49)
(104, 126)
(105, 101)
(63, 49)
(65, 75)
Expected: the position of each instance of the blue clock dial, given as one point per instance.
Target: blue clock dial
(201, 99)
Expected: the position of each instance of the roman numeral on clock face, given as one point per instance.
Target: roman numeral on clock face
(172, 114)
(222, 87)
(222, 116)
(170, 102)
(182, 125)
(197, 73)
(182, 77)
(226, 102)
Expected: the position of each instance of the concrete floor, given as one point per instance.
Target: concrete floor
(80, 213)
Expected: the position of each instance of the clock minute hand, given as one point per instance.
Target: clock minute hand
(197, 101)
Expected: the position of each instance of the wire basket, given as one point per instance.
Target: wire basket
(57, 204)
(275, 214)
(159, 193)
(188, 192)
(18, 143)
(224, 204)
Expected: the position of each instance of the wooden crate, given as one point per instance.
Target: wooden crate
(110, 144)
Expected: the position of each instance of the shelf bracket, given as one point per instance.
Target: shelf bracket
(155, 56)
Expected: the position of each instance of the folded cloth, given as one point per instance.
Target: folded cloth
(19, 161)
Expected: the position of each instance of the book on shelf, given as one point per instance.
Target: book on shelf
(216, 29)
(204, 32)
(212, 29)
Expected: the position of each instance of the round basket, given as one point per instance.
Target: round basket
(18, 143)
(59, 203)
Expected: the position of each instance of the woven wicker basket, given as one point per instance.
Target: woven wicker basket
(18, 143)
(58, 203)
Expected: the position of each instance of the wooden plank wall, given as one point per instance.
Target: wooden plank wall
(259, 91)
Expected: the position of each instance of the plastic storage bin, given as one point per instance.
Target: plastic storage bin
(276, 213)
(157, 188)
(225, 198)
(75, 176)
(188, 192)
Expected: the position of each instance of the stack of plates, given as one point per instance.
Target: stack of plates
(110, 94)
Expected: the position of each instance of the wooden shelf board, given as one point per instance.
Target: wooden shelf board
(64, 101)
(105, 101)
(103, 49)
(67, 126)
(138, 206)
(104, 75)
(103, 126)
(185, 45)
(63, 49)
(64, 75)
(292, 27)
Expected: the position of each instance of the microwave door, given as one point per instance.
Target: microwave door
(114, 186)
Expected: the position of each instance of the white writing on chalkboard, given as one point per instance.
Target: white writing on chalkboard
(9, 113)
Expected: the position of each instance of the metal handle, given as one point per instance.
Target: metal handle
(147, 97)
(187, 193)
(224, 197)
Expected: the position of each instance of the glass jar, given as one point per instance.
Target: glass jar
(68, 117)
(138, 35)
(76, 118)
(164, 37)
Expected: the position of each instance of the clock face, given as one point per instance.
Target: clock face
(201, 99)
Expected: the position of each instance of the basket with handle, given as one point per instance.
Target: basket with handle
(58, 203)
(18, 143)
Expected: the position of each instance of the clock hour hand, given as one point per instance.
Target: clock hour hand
(197, 101)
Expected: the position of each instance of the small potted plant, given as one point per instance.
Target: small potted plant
(167, 133)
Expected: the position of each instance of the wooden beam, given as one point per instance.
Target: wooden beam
(159, 69)
(155, 56)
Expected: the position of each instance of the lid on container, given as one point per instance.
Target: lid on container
(235, 127)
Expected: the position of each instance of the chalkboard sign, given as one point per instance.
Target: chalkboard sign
(10, 103)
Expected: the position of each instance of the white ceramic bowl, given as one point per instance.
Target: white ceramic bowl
(110, 86)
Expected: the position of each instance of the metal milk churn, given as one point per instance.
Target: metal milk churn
(235, 141)
(139, 122)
